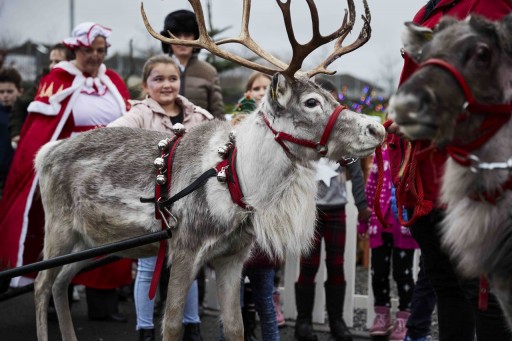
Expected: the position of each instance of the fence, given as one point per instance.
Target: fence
(353, 300)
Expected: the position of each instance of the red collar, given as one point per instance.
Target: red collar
(496, 115)
(321, 146)
(226, 170)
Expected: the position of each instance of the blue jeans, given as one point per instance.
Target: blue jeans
(144, 306)
(262, 284)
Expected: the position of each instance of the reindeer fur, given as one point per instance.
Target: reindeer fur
(477, 234)
(91, 185)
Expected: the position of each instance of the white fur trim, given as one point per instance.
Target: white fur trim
(43, 108)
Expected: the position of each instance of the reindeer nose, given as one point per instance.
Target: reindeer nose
(406, 106)
(377, 131)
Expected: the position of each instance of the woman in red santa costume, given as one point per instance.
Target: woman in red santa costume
(75, 96)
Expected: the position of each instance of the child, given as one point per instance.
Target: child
(258, 295)
(160, 110)
(391, 242)
(10, 90)
(331, 227)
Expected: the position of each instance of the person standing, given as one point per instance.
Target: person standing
(160, 110)
(58, 53)
(10, 90)
(257, 295)
(75, 96)
(199, 83)
(199, 80)
(392, 246)
(331, 226)
(457, 298)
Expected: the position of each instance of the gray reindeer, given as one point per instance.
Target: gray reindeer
(460, 98)
(91, 184)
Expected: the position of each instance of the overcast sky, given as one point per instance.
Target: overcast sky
(48, 21)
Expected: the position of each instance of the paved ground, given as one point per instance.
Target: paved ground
(18, 324)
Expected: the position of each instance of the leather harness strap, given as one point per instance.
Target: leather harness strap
(320, 146)
(160, 192)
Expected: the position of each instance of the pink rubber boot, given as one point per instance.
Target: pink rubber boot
(382, 323)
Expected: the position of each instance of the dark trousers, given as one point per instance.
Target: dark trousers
(101, 302)
(331, 226)
(402, 273)
(457, 298)
(423, 303)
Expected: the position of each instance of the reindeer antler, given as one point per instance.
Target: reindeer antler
(343, 31)
(300, 51)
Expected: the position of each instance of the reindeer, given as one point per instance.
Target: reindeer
(91, 184)
(460, 99)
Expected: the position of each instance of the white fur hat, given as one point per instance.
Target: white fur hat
(84, 34)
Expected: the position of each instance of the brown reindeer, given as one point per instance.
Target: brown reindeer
(460, 98)
(91, 184)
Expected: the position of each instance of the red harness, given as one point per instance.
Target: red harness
(227, 167)
(321, 146)
(163, 190)
(496, 115)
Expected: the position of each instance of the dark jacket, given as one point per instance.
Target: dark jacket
(200, 85)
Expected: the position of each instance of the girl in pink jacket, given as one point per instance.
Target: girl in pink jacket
(390, 244)
(160, 110)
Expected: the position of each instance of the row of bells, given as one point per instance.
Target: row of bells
(223, 152)
(160, 163)
(178, 129)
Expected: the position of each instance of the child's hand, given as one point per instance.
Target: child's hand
(363, 236)
(14, 141)
(364, 214)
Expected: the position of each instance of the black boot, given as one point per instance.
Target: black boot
(249, 314)
(192, 332)
(304, 300)
(146, 335)
(334, 299)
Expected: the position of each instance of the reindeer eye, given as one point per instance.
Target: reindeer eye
(482, 55)
(311, 103)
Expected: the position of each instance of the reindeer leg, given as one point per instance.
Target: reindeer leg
(59, 240)
(42, 292)
(183, 273)
(61, 299)
(228, 271)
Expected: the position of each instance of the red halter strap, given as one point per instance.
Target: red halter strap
(321, 146)
(490, 125)
(496, 115)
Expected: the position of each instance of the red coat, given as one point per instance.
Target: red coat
(431, 165)
(50, 118)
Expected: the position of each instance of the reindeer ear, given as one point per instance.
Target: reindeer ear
(280, 91)
(414, 37)
(505, 32)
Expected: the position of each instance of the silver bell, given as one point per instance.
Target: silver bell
(178, 129)
(159, 163)
(222, 151)
(221, 175)
(163, 144)
(161, 179)
(232, 136)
